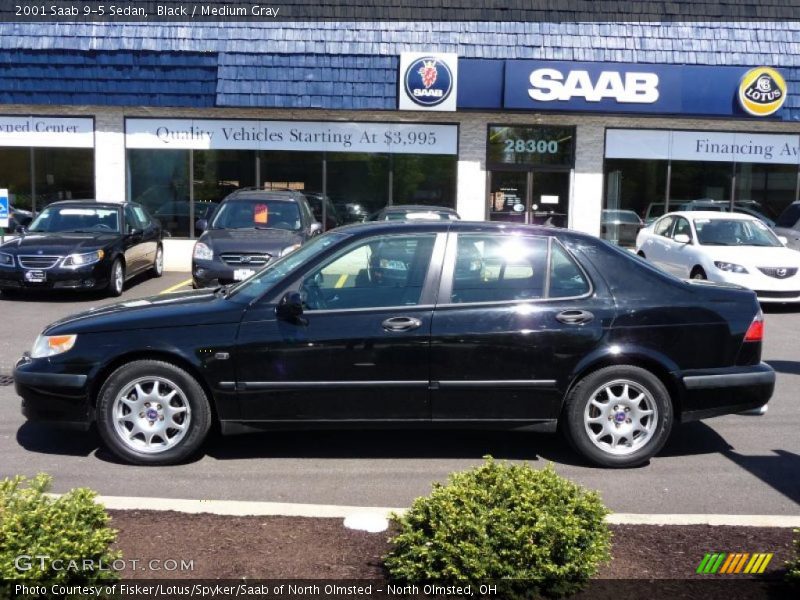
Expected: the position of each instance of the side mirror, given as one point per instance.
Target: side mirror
(290, 308)
(783, 240)
(315, 228)
(200, 225)
(682, 238)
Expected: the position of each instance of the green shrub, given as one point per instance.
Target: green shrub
(69, 528)
(793, 566)
(527, 531)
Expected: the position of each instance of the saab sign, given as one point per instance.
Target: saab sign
(550, 84)
(428, 81)
(537, 85)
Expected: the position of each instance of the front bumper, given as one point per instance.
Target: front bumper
(49, 395)
(713, 392)
(768, 289)
(84, 278)
(211, 273)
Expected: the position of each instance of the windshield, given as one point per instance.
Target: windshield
(74, 219)
(257, 214)
(730, 232)
(259, 283)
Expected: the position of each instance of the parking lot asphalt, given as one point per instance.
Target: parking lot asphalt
(735, 464)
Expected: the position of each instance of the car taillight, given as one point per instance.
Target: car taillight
(755, 333)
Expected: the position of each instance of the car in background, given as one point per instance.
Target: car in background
(18, 219)
(174, 215)
(250, 229)
(620, 226)
(745, 207)
(350, 212)
(469, 325)
(83, 245)
(788, 225)
(723, 247)
(332, 219)
(415, 212)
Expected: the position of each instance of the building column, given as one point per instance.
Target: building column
(109, 155)
(471, 192)
(587, 189)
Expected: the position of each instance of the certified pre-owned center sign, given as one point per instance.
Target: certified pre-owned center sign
(428, 81)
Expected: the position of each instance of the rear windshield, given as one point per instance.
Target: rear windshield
(257, 214)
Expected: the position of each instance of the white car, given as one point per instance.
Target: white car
(723, 247)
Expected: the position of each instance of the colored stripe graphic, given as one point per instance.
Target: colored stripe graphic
(731, 560)
(742, 560)
(723, 563)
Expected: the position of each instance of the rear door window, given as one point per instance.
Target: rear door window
(566, 277)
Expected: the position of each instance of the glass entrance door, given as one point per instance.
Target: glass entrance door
(537, 197)
(508, 196)
(550, 198)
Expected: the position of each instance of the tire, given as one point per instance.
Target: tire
(588, 426)
(157, 270)
(116, 278)
(698, 273)
(132, 388)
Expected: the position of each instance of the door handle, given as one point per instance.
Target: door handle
(398, 324)
(574, 317)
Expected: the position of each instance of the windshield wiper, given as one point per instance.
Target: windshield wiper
(222, 290)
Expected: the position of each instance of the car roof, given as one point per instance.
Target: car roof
(420, 207)
(87, 203)
(278, 195)
(710, 214)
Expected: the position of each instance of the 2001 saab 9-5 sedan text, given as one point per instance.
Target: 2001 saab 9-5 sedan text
(417, 323)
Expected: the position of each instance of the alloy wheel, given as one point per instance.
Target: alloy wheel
(621, 416)
(151, 415)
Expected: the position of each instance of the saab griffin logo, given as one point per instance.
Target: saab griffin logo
(428, 81)
(762, 91)
(722, 563)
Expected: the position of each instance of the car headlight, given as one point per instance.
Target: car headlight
(203, 251)
(81, 260)
(730, 267)
(50, 345)
(289, 249)
(6, 260)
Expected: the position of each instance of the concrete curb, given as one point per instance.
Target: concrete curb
(263, 509)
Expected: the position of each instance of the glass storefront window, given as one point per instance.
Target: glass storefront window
(159, 181)
(700, 180)
(537, 145)
(635, 193)
(35, 177)
(63, 174)
(768, 189)
(358, 180)
(424, 179)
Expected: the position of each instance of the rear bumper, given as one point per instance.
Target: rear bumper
(713, 392)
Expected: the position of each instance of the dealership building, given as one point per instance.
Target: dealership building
(533, 122)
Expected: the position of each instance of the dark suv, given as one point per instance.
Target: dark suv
(248, 230)
(788, 225)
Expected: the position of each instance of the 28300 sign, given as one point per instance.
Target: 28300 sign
(531, 146)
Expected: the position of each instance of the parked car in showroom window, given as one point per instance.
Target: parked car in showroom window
(724, 247)
(620, 226)
(426, 324)
(788, 225)
(83, 245)
(250, 229)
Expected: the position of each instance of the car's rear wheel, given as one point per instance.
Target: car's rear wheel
(158, 263)
(116, 278)
(618, 416)
(698, 273)
(152, 413)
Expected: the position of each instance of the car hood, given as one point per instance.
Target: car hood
(191, 308)
(58, 243)
(268, 241)
(778, 256)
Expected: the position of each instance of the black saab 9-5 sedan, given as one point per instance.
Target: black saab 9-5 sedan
(424, 324)
(83, 245)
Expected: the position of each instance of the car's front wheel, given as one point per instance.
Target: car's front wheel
(158, 263)
(116, 278)
(152, 413)
(618, 416)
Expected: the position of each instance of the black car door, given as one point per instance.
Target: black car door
(515, 316)
(151, 234)
(132, 242)
(361, 349)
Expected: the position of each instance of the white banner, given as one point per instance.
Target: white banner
(49, 132)
(714, 146)
(301, 136)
